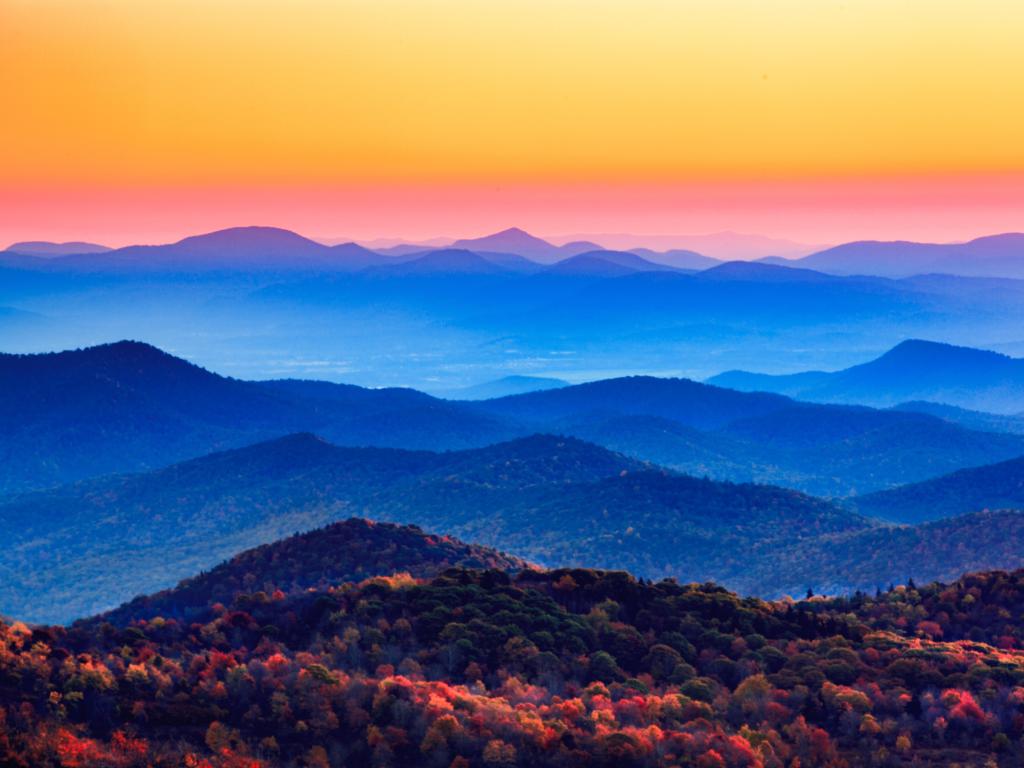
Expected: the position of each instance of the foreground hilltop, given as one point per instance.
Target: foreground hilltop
(567, 667)
(351, 550)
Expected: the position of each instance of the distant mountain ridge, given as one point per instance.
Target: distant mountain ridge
(137, 408)
(913, 370)
(991, 256)
(47, 249)
(252, 247)
(994, 486)
(518, 241)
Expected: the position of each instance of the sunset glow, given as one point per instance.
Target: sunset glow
(131, 121)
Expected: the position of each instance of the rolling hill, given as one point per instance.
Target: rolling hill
(702, 430)
(687, 402)
(79, 549)
(521, 243)
(606, 263)
(82, 548)
(991, 256)
(129, 406)
(995, 486)
(47, 250)
(348, 551)
(569, 667)
(137, 408)
(237, 248)
(914, 370)
(874, 559)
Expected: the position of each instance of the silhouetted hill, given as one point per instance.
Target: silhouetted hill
(760, 272)
(991, 256)
(115, 407)
(687, 402)
(445, 261)
(137, 408)
(46, 249)
(352, 550)
(81, 548)
(605, 263)
(705, 430)
(128, 406)
(237, 248)
(513, 240)
(913, 370)
(828, 453)
(995, 486)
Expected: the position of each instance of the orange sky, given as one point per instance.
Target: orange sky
(814, 120)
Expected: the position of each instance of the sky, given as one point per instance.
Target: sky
(811, 120)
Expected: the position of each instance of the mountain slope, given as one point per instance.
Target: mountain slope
(82, 548)
(47, 249)
(876, 558)
(991, 256)
(572, 667)
(512, 240)
(995, 486)
(352, 550)
(606, 263)
(913, 370)
(699, 429)
(237, 248)
(650, 523)
(688, 402)
(445, 261)
(128, 406)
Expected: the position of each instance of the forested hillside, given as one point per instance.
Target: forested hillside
(568, 667)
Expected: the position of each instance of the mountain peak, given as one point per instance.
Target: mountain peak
(250, 238)
(921, 350)
(511, 240)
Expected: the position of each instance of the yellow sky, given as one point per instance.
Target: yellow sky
(123, 92)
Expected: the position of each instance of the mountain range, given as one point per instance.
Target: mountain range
(261, 247)
(45, 249)
(137, 408)
(267, 303)
(77, 549)
(83, 548)
(991, 256)
(913, 370)
(994, 486)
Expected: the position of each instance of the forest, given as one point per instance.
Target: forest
(567, 667)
